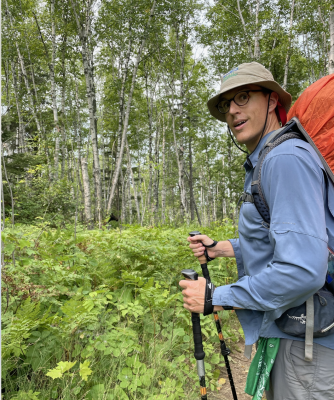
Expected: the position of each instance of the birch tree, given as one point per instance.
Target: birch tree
(331, 34)
(128, 107)
(83, 22)
(287, 57)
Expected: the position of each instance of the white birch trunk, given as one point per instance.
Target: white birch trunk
(63, 131)
(245, 30)
(331, 51)
(133, 181)
(181, 147)
(163, 189)
(287, 58)
(121, 111)
(20, 141)
(324, 41)
(84, 32)
(53, 84)
(86, 187)
(156, 176)
(256, 38)
(127, 115)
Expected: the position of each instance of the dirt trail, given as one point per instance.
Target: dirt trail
(239, 366)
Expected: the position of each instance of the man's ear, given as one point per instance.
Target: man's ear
(273, 101)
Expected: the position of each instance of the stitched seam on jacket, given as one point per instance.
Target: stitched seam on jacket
(301, 233)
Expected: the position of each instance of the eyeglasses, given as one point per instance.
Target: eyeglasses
(240, 99)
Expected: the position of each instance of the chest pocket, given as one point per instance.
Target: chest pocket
(251, 224)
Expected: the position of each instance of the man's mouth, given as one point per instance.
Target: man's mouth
(239, 124)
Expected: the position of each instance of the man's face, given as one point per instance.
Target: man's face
(247, 122)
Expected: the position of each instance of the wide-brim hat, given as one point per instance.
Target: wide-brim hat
(248, 74)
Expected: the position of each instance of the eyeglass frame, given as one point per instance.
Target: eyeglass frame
(242, 91)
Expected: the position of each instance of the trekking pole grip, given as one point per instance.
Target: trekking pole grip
(202, 259)
(199, 354)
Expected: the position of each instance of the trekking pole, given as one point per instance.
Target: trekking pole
(224, 350)
(199, 354)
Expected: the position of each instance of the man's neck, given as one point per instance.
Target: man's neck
(272, 125)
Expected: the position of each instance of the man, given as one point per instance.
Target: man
(279, 266)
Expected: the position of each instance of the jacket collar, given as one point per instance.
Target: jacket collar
(251, 160)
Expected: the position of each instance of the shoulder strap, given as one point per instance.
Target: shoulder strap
(275, 139)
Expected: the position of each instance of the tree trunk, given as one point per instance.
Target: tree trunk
(77, 127)
(256, 38)
(181, 147)
(331, 33)
(163, 189)
(86, 186)
(191, 188)
(63, 131)
(149, 104)
(123, 207)
(121, 109)
(127, 114)
(133, 181)
(20, 142)
(287, 58)
(245, 31)
(53, 83)
(84, 30)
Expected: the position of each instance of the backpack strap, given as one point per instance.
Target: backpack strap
(309, 329)
(275, 139)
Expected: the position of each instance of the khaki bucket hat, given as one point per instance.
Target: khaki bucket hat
(246, 74)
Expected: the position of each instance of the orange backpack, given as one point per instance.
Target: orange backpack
(314, 109)
(311, 118)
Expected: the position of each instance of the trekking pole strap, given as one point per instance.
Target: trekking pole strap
(208, 306)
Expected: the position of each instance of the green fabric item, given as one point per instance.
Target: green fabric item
(259, 370)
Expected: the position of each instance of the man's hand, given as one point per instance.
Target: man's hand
(198, 248)
(193, 295)
(222, 249)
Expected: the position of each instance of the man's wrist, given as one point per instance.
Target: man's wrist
(224, 249)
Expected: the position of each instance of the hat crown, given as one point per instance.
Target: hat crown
(244, 74)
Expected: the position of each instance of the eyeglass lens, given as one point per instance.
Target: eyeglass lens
(240, 99)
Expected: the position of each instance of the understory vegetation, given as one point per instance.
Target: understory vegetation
(97, 314)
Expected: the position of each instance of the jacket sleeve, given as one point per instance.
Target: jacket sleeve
(238, 257)
(295, 191)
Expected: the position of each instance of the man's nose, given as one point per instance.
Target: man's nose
(234, 108)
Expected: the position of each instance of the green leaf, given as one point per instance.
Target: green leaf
(215, 358)
(62, 367)
(84, 371)
(96, 392)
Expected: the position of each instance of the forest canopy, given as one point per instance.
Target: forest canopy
(104, 102)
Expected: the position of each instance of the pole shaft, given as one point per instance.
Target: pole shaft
(198, 341)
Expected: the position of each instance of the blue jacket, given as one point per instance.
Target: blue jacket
(281, 266)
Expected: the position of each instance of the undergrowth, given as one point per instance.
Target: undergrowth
(99, 316)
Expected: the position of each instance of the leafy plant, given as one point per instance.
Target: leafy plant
(101, 316)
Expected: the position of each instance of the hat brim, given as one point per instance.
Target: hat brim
(284, 97)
